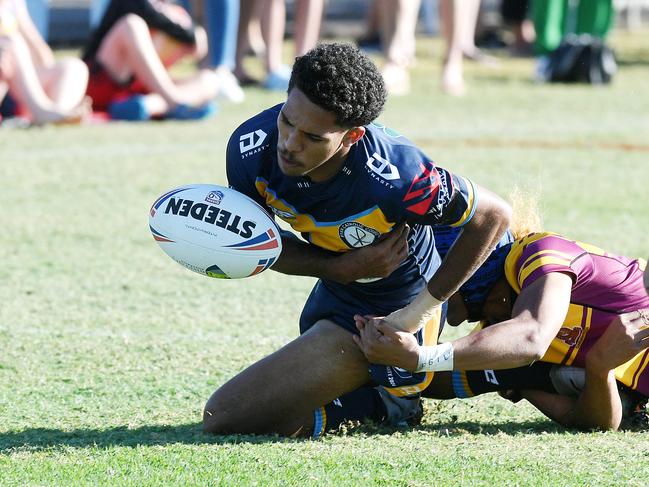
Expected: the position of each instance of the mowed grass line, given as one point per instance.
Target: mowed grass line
(108, 349)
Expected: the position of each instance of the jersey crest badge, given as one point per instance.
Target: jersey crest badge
(356, 234)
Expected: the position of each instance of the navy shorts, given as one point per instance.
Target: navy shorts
(339, 307)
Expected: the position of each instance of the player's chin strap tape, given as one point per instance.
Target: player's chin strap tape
(436, 358)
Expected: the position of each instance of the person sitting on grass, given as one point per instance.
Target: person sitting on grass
(128, 56)
(41, 88)
(544, 298)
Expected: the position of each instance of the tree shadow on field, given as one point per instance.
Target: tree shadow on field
(191, 433)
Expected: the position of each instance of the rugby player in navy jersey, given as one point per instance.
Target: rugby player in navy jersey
(366, 201)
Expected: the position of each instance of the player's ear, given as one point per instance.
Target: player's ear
(353, 135)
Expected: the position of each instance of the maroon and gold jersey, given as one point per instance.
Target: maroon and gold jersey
(604, 286)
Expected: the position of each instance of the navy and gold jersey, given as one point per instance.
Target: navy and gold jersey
(385, 181)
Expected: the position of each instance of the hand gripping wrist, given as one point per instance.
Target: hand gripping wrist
(436, 358)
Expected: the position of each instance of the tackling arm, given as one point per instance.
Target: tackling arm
(536, 318)
(477, 239)
(376, 260)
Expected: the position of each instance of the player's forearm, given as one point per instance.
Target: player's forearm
(510, 344)
(537, 316)
(474, 244)
(598, 405)
(554, 406)
(301, 259)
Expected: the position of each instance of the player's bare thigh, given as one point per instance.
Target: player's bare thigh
(280, 392)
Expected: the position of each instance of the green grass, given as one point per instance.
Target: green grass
(108, 349)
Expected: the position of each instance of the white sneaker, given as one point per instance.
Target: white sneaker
(229, 88)
(396, 79)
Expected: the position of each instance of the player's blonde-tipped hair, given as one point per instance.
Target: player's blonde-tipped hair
(526, 217)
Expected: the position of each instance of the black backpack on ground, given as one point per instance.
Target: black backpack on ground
(581, 59)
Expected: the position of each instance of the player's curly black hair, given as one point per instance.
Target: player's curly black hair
(341, 79)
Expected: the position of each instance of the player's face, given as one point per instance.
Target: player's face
(457, 311)
(496, 308)
(310, 142)
(498, 305)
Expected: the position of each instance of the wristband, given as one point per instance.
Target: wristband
(436, 358)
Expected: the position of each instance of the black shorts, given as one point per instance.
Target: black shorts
(340, 308)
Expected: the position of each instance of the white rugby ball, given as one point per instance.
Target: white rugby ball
(215, 231)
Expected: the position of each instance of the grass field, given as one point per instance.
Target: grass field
(108, 349)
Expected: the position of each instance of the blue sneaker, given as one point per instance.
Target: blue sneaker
(185, 112)
(132, 109)
(278, 79)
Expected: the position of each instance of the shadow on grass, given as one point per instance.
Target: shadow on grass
(453, 428)
(44, 438)
(456, 428)
(624, 62)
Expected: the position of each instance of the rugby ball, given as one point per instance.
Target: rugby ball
(215, 231)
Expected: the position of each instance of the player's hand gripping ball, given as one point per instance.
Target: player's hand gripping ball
(215, 231)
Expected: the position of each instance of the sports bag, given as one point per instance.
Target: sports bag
(581, 59)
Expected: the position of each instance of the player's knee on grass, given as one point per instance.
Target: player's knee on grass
(216, 419)
(280, 393)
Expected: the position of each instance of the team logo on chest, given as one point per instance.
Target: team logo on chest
(252, 143)
(356, 234)
(382, 167)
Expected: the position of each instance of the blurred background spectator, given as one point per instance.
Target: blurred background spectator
(398, 21)
(221, 21)
(34, 83)
(128, 55)
(515, 15)
(130, 60)
(553, 19)
(262, 28)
